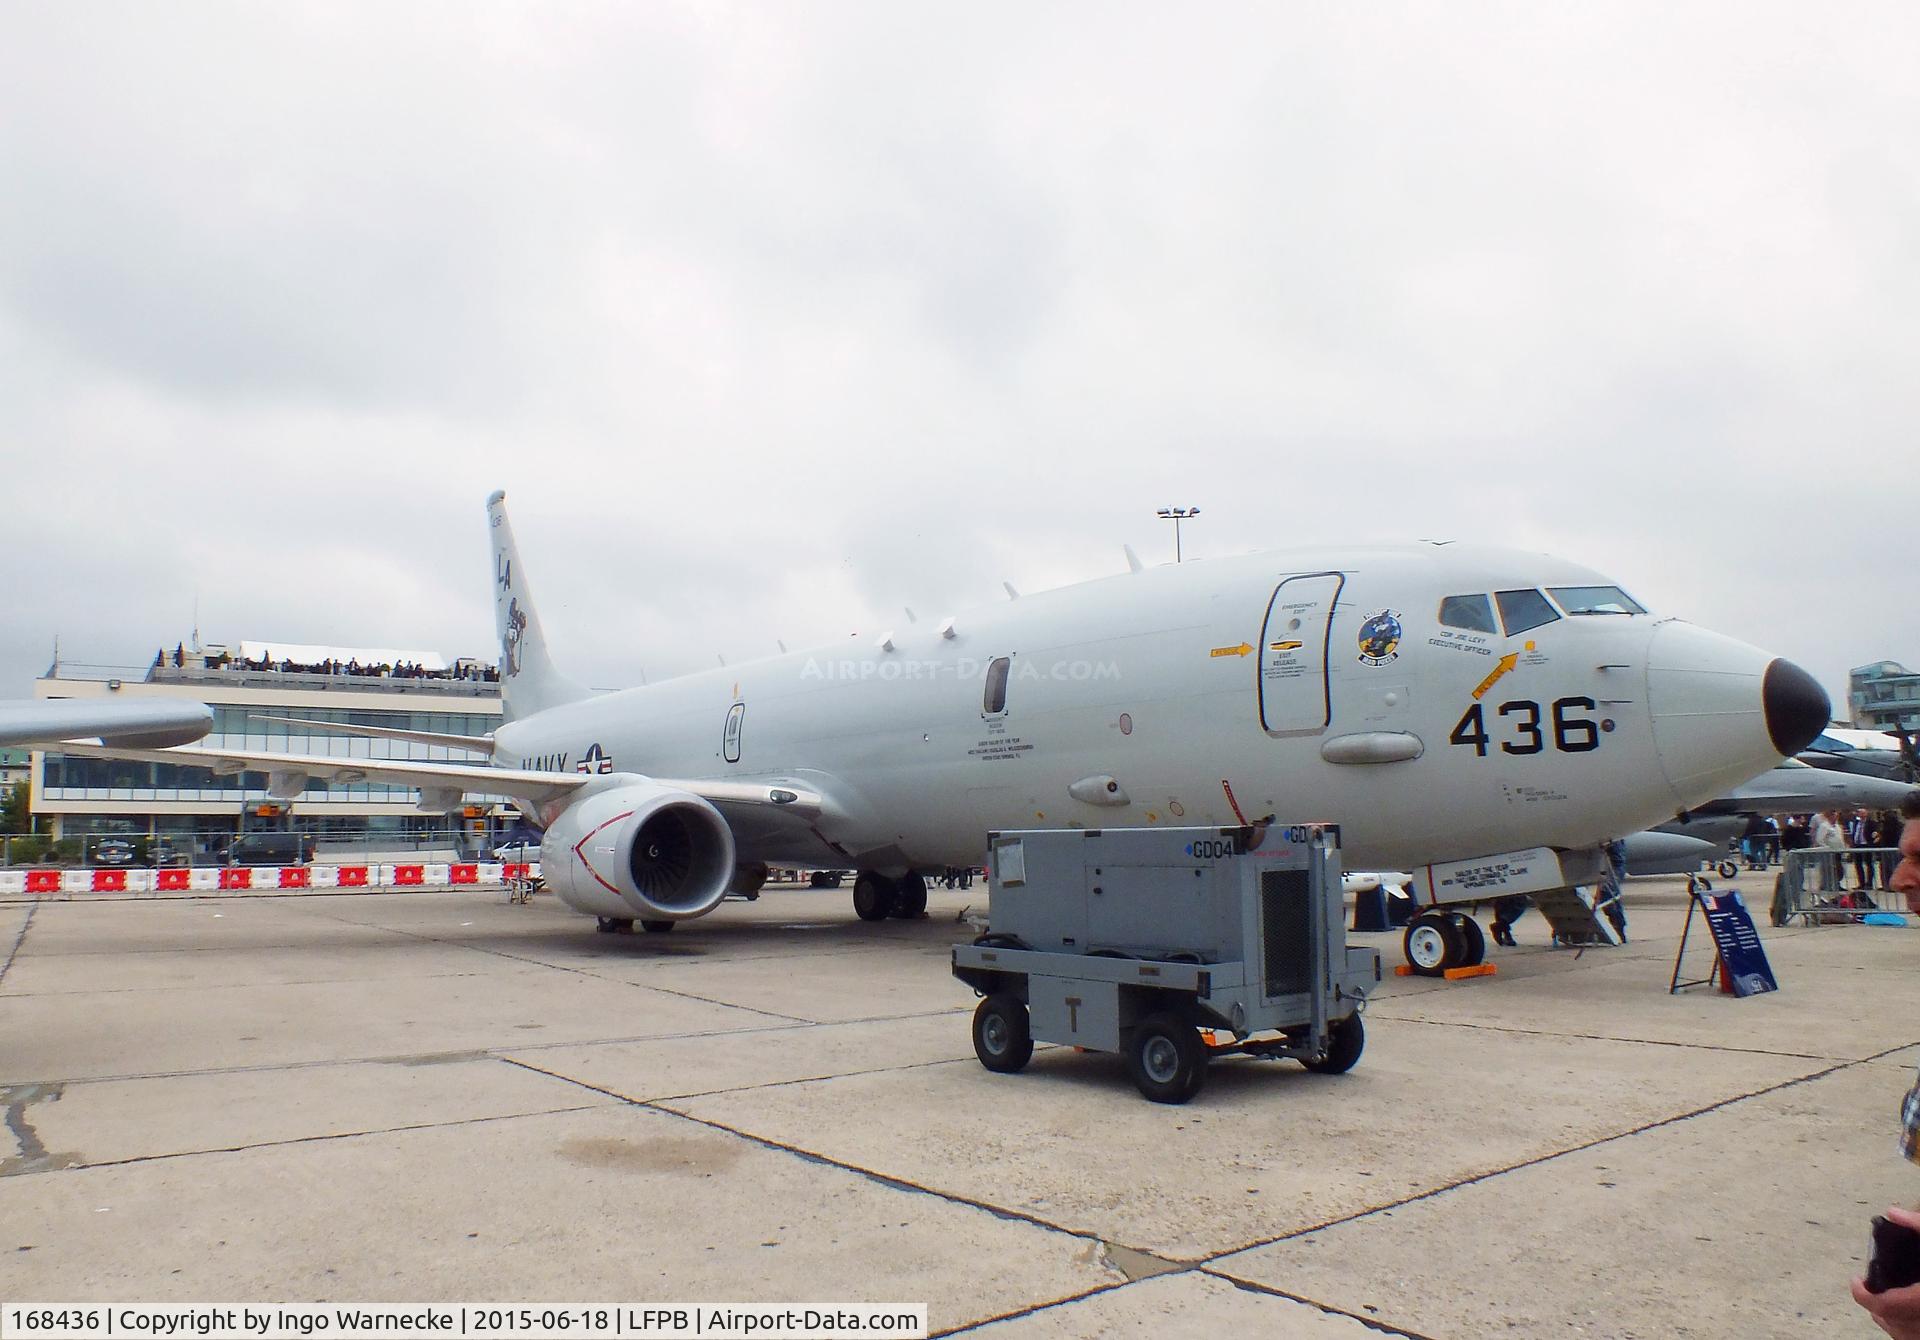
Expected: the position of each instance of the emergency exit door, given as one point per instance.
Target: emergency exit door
(1292, 682)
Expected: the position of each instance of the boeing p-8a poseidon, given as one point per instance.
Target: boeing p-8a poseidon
(1441, 703)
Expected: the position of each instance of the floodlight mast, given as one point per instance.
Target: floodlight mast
(1176, 515)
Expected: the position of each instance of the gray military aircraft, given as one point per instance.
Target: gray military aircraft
(1488, 710)
(1679, 846)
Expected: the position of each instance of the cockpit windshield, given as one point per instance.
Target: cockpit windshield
(1469, 612)
(1521, 610)
(1595, 600)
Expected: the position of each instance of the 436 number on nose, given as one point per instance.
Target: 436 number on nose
(1518, 723)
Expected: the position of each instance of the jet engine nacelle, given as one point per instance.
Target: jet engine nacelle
(633, 849)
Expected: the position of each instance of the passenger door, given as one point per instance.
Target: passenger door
(1291, 687)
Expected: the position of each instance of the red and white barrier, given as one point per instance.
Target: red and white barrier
(259, 878)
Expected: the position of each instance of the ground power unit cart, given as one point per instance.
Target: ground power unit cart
(1169, 946)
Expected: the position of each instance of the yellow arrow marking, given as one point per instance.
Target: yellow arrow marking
(1507, 663)
(1285, 646)
(1244, 649)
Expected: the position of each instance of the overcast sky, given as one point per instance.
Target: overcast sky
(773, 319)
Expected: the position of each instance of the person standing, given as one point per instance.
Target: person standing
(1897, 1311)
(1860, 832)
(1826, 836)
(1905, 879)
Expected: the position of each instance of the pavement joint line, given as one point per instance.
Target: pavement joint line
(1034, 1309)
(401, 1058)
(1612, 1037)
(18, 940)
(501, 1053)
(309, 1140)
(799, 1079)
(826, 1160)
(593, 976)
(1371, 1323)
(1549, 1157)
(233, 986)
(18, 1099)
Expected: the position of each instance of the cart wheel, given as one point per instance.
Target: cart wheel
(1001, 1037)
(1728, 869)
(1473, 940)
(656, 927)
(1432, 946)
(872, 896)
(1345, 1041)
(1167, 1059)
(910, 897)
(613, 925)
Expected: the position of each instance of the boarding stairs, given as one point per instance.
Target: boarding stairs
(1577, 915)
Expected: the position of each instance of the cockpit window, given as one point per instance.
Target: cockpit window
(1472, 612)
(1595, 600)
(1521, 610)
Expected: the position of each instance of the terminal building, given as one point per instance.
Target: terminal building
(202, 811)
(1884, 696)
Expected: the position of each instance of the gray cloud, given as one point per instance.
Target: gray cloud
(772, 321)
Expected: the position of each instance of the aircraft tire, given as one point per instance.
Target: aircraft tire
(1166, 1059)
(657, 927)
(873, 896)
(1473, 940)
(1432, 944)
(1346, 1039)
(1728, 869)
(910, 897)
(613, 925)
(1002, 1033)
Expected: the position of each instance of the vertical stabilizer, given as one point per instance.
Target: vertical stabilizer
(528, 681)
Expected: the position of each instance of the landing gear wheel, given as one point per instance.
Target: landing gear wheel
(1167, 1059)
(1346, 1039)
(613, 925)
(1473, 941)
(1728, 869)
(910, 897)
(1002, 1038)
(1432, 944)
(657, 927)
(872, 896)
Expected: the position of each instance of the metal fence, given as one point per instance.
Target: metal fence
(144, 851)
(1831, 888)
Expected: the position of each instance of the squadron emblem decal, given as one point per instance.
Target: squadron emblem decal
(1380, 635)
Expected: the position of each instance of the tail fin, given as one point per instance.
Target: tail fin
(528, 681)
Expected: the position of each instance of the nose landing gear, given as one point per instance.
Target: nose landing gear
(1436, 941)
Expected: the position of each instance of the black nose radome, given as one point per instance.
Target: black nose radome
(1796, 707)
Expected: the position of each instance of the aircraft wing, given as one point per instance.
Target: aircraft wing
(288, 775)
(1795, 788)
(136, 722)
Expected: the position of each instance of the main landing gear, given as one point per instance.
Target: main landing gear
(1436, 941)
(624, 926)
(875, 897)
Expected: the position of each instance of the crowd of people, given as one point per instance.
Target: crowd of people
(483, 674)
(1837, 832)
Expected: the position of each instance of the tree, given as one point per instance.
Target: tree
(14, 815)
